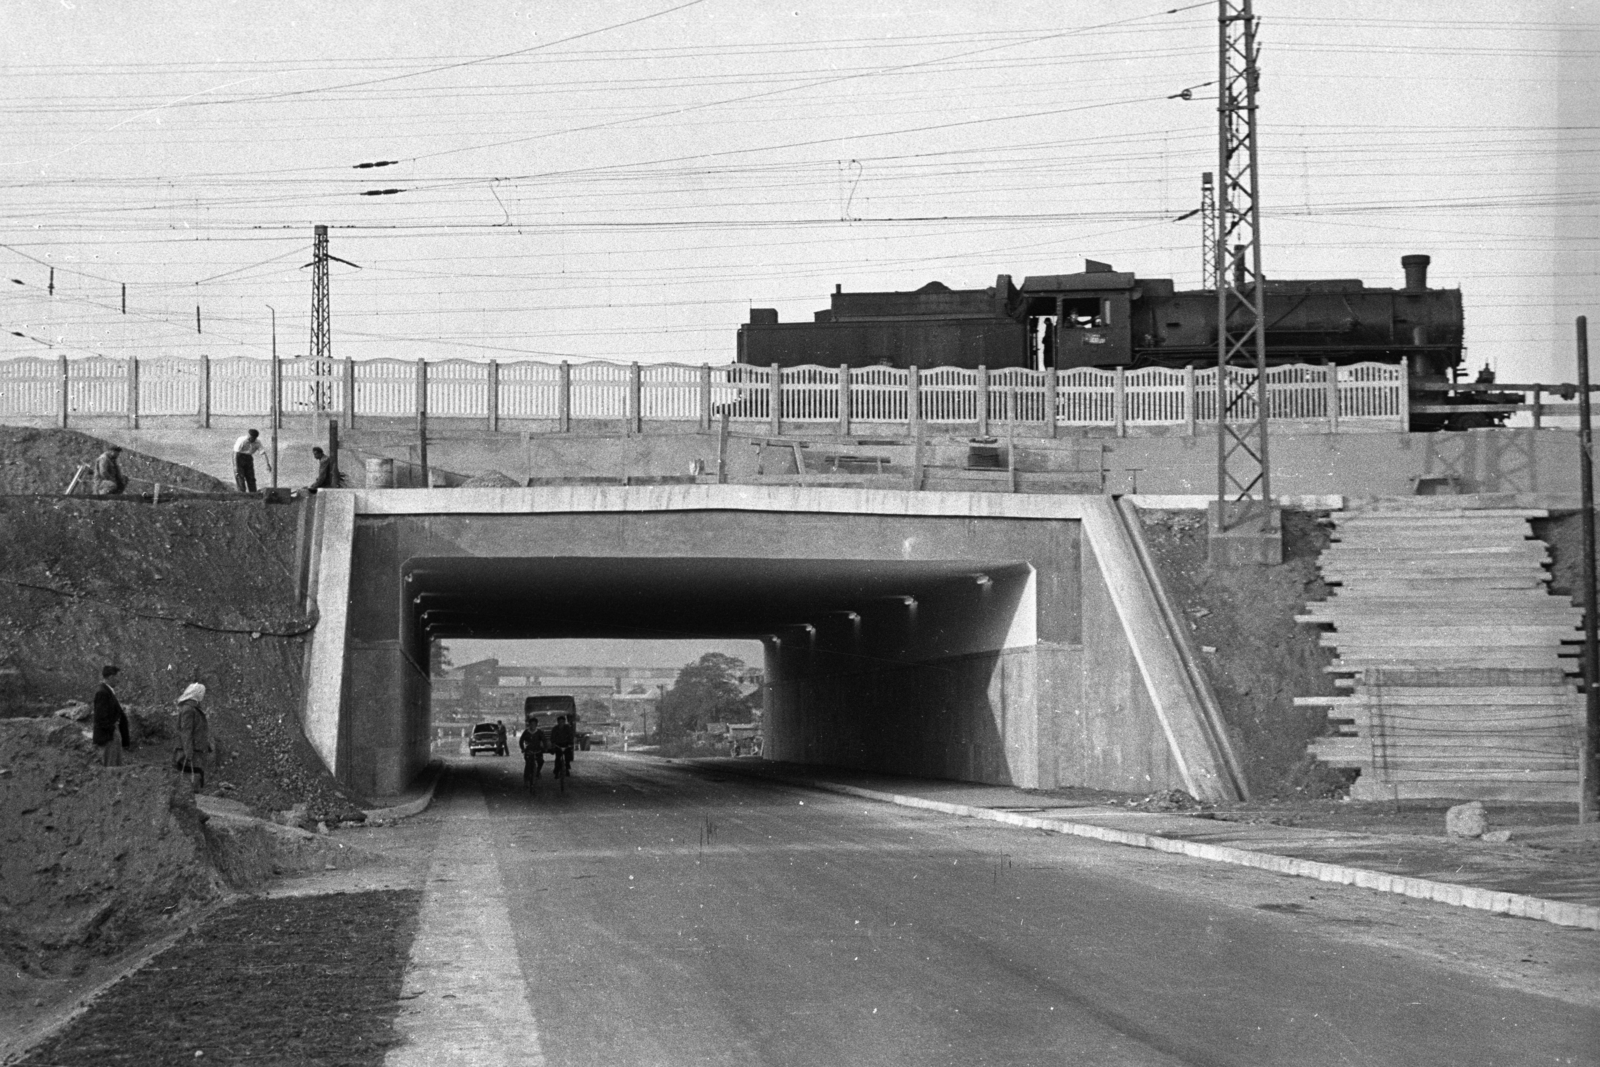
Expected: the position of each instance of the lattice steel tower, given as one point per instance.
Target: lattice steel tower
(1208, 232)
(1244, 487)
(321, 344)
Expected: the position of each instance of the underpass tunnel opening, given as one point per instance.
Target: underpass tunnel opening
(677, 697)
(893, 664)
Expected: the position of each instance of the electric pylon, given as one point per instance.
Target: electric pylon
(1244, 487)
(321, 339)
(1208, 232)
(321, 345)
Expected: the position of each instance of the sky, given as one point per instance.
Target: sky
(625, 181)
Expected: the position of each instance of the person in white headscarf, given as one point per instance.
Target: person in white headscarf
(194, 748)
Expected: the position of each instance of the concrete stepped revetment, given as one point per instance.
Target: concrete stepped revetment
(1457, 656)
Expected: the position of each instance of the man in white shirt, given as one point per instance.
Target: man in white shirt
(245, 450)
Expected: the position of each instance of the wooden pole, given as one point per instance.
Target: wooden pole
(1588, 802)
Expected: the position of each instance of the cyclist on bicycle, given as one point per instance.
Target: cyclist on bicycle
(534, 744)
(563, 736)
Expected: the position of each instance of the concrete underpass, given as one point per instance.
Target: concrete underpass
(985, 638)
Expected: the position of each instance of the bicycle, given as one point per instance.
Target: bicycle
(562, 767)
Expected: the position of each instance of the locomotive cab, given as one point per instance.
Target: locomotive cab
(1080, 320)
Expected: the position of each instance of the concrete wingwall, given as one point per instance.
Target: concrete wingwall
(1015, 659)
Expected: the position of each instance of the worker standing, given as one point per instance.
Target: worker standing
(245, 451)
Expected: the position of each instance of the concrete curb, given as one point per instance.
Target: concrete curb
(1560, 913)
(379, 816)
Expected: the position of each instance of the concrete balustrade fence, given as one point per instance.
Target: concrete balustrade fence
(552, 397)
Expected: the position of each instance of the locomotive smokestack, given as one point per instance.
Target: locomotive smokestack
(1416, 268)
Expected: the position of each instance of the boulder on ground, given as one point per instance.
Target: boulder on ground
(1466, 820)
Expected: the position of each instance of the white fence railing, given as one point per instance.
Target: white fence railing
(531, 392)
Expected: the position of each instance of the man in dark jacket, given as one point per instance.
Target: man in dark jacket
(109, 719)
(327, 473)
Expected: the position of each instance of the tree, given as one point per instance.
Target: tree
(706, 690)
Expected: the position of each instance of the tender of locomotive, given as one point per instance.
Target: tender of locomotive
(1107, 318)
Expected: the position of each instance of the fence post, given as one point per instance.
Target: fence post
(635, 399)
(205, 390)
(775, 401)
(1332, 382)
(1190, 397)
(1405, 396)
(349, 394)
(705, 397)
(564, 397)
(1538, 407)
(133, 392)
(1119, 402)
(844, 400)
(913, 402)
(494, 396)
(1051, 385)
(422, 422)
(983, 401)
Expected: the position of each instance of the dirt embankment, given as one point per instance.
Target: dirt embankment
(1257, 658)
(91, 859)
(192, 590)
(44, 461)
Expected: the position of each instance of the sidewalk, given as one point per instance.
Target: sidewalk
(1548, 873)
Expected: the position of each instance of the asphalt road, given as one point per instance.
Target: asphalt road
(654, 915)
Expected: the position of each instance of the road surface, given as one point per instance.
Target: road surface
(657, 915)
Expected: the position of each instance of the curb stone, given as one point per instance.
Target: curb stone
(1520, 905)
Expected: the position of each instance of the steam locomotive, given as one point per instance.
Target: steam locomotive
(1105, 318)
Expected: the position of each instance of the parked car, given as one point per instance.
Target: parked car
(486, 737)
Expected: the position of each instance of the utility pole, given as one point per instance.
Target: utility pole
(1588, 787)
(1244, 528)
(277, 394)
(1209, 254)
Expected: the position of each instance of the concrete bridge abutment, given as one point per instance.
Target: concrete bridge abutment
(978, 637)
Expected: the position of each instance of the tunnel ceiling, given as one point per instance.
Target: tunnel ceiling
(587, 596)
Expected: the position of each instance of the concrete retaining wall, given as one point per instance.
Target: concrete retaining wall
(1304, 462)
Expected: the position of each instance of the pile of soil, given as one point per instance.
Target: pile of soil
(92, 859)
(1257, 658)
(44, 461)
(191, 590)
(311, 980)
